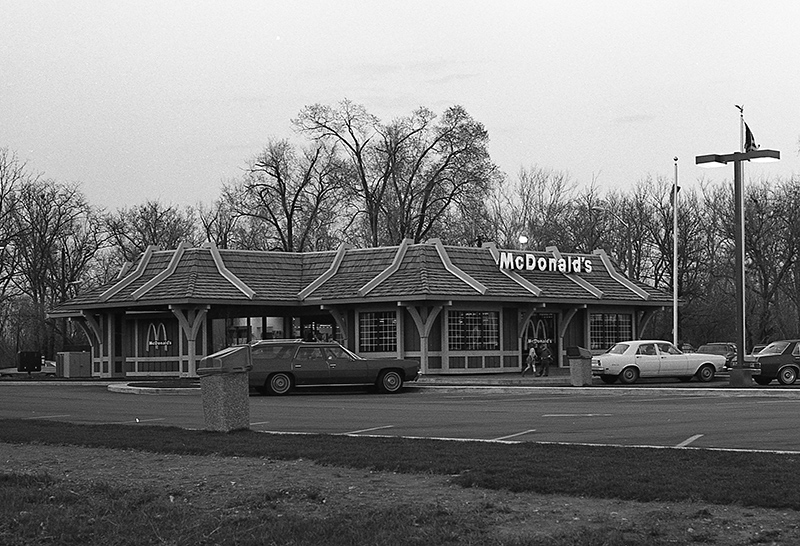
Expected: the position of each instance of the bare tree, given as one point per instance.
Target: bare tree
(409, 175)
(132, 230)
(295, 199)
(57, 237)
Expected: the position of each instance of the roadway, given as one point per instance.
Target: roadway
(751, 419)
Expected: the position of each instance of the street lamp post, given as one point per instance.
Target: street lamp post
(629, 242)
(738, 374)
(675, 189)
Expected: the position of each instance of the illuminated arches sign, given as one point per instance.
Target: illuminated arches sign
(157, 337)
(531, 262)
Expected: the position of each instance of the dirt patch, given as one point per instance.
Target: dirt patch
(211, 481)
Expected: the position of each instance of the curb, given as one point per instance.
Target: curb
(431, 387)
(129, 389)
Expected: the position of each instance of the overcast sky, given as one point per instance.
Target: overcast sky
(165, 100)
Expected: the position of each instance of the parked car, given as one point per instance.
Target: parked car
(724, 348)
(757, 349)
(630, 360)
(280, 365)
(779, 360)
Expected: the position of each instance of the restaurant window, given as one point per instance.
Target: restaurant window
(377, 332)
(473, 330)
(607, 329)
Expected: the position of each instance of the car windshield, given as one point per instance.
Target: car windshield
(353, 355)
(774, 348)
(618, 349)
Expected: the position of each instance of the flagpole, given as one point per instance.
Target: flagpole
(675, 257)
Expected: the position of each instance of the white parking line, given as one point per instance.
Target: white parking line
(688, 441)
(259, 423)
(137, 420)
(513, 435)
(577, 415)
(47, 416)
(368, 429)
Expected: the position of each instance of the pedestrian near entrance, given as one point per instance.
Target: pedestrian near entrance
(545, 359)
(530, 361)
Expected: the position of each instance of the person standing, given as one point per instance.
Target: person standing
(530, 361)
(545, 359)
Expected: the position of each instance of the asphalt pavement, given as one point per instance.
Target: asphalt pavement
(559, 381)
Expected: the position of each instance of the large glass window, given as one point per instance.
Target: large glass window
(377, 332)
(607, 329)
(473, 330)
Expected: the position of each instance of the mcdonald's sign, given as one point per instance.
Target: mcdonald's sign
(157, 337)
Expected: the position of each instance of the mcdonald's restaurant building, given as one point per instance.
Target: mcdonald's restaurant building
(458, 310)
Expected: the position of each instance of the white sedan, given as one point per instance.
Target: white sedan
(630, 360)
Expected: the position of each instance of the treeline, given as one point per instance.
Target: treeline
(369, 183)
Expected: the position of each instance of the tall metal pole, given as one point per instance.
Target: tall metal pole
(675, 257)
(738, 194)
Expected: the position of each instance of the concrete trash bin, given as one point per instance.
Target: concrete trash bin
(580, 366)
(225, 389)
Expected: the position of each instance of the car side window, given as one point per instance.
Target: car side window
(647, 349)
(668, 349)
(309, 353)
(337, 353)
(796, 350)
(270, 351)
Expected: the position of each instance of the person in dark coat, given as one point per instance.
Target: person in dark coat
(545, 359)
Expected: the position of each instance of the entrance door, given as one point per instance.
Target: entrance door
(541, 329)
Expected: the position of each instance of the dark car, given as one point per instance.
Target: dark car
(281, 365)
(724, 348)
(779, 360)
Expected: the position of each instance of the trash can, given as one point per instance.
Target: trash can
(29, 361)
(580, 366)
(225, 389)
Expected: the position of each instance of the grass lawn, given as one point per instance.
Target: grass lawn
(747, 481)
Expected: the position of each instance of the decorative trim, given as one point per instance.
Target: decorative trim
(580, 281)
(155, 281)
(319, 281)
(620, 278)
(567, 318)
(452, 269)
(144, 261)
(389, 271)
(513, 275)
(240, 285)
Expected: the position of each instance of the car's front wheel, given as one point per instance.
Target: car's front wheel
(279, 384)
(761, 380)
(629, 375)
(787, 376)
(389, 382)
(705, 373)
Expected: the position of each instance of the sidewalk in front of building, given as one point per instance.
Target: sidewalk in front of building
(558, 382)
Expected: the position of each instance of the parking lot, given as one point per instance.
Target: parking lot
(644, 415)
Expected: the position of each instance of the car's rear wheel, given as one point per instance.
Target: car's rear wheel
(608, 379)
(629, 375)
(787, 376)
(279, 384)
(705, 373)
(762, 380)
(389, 382)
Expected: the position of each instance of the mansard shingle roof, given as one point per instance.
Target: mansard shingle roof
(408, 272)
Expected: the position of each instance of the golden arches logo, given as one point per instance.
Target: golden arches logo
(540, 333)
(157, 336)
